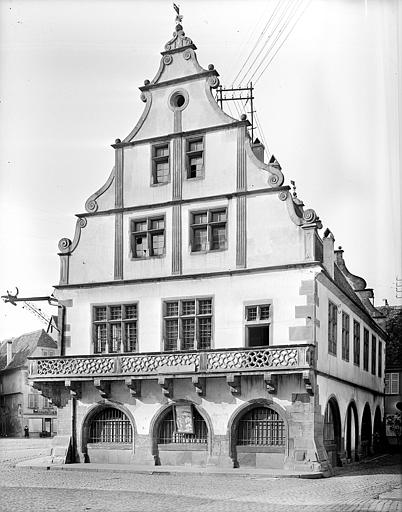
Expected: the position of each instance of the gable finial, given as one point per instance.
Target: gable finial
(179, 16)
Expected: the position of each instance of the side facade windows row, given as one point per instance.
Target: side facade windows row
(376, 349)
(208, 232)
(188, 324)
(194, 160)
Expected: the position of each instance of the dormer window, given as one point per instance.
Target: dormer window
(160, 164)
(195, 158)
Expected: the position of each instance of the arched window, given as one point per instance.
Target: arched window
(110, 426)
(167, 432)
(261, 427)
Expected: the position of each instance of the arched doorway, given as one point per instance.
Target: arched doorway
(352, 433)
(378, 434)
(332, 432)
(181, 436)
(366, 433)
(108, 436)
(259, 437)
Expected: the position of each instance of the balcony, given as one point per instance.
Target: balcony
(146, 365)
(71, 371)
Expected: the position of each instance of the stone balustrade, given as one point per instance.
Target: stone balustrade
(289, 357)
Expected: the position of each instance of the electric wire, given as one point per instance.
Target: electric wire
(245, 44)
(259, 39)
(291, 15)
(283, 41)
(281, 17)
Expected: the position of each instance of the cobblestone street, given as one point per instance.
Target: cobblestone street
(355, 488)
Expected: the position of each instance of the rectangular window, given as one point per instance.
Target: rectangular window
(366, 337)
(258, 321)
(33, 401)
(187, 324)
(195, 157)
(208, 230)
(148, 237)
(160, 164)
(392, 383)
(46, 403)
(345, 336)
(356, 343)
(373, 354)
(379, 358)
(115, 328)
(332, 327)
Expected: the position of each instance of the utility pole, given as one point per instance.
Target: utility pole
(237, 95)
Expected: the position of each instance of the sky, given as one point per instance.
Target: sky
(327, 104)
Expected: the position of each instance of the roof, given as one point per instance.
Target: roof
(23, 346)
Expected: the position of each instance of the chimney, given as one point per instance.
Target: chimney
(9, 351)
(328, 249)
(258, 149)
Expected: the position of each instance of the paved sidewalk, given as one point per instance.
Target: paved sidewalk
(44, 463)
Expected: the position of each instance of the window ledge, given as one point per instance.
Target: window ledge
(160, 184)
(158, 257)
(207, 252)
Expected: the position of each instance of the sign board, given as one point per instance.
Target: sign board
(184, 419)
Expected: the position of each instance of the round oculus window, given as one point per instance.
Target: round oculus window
(178, 100)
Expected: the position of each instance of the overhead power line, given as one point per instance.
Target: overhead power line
(283, 41)
(272, 32)
(258, 40)
(283, 27)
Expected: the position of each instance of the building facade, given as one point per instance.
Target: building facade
(21, 405)
(393, 372)
(205, 321)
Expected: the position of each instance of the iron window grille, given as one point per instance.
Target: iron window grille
(208, 230)
(110, 426)
(261, 427)
(195, 157)
(373, 354)
(332, 327)
(257, 321)
(392, 383)
(148, 237)
(356, 343)
(187, 324)
(160, 164)
(167, 432)
(115, 328)
(345, 336)
(366, 337)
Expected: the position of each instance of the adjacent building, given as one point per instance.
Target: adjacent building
(20, 404)
(204, 319)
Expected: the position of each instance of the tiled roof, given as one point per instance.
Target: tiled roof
(23, 346)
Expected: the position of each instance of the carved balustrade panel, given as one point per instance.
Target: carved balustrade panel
(150, 363)
(253, 359)
(76, 366)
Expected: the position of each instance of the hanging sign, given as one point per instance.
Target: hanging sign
(184, 419)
